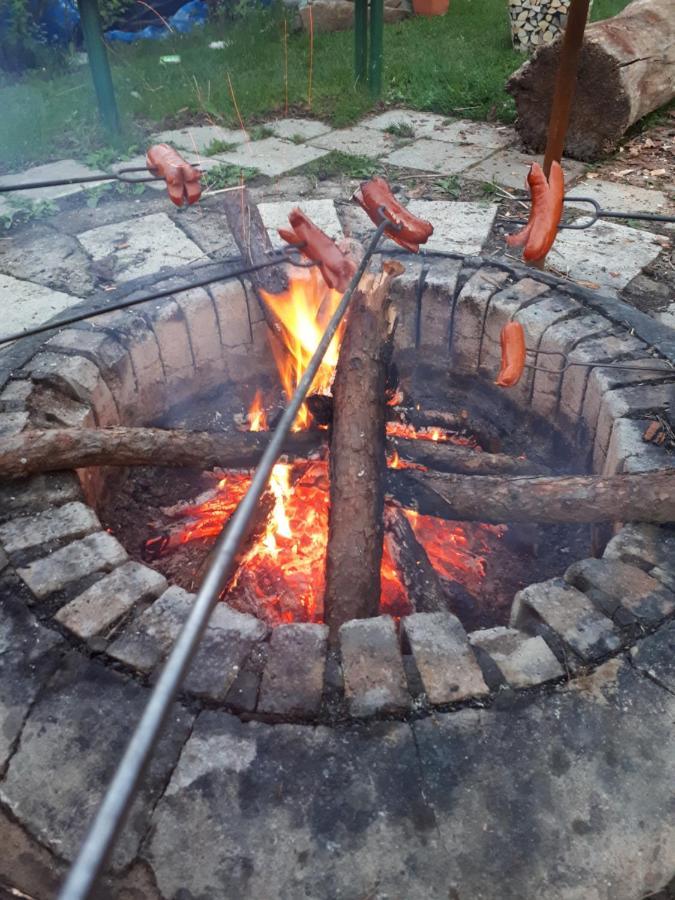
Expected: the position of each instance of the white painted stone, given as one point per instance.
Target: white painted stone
(321, 212)
(25, 303)
(436, 156)
(509, 168)
(293, 128)
(501, 309)
(523, 661)
(96, 553)
(424, 124)
(72, 520)
(109, 599)
(196, 139)
(140, 246)
(610, 256)
(170, 326)
(613, 195)
(272, 156)
(458, 227)
(470, 312)
(80, 379)
(64, 168)
(229, 299)
(202, 325)
(358, 141)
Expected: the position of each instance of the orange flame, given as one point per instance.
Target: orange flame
(257, 414)
(303, 312)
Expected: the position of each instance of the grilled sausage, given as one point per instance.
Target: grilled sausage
(546, 210)
(336, 267)
(512, 340)
(182, 179)
(408, 230)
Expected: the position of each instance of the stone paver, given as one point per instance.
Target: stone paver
(321, 212)
(645, 546)
(477, 134)
(48, 256)
(570, 616)
(25, 303)
(30, 495)
(358, 141)
(523, 661)
(292, 683)
(610, 256)
(298, 128)
(70, 746)
(373, 670)
(272, 156)
(197, 138)
(623, 592)
(436, 156)
(140, 246)
(509, 168)
(655, 655)
(109, 599)
(64, 168)
(614, 196)
(444, 659)
(458, 227)
(424, 124)
(99, 552)
(73, 520)
(28, 656)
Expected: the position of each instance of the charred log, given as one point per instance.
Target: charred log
(446, 457)
(251, 238)
(357, 459)
(639, 497)
(424, 586)
(31, 452)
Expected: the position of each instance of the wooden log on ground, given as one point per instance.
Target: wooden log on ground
(446, 457)
(31, 452)
(640, 497)
(424, 586)
(357, 458)
(626, 70)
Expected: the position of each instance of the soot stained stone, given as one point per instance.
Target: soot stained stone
(28, 656)
(292, 682)
(72, 520)
(70, 746)
(30, 495)
(372, 666)
(647, 546)
(564, 794)
(288, 811)
(655, 655)
(523, 661)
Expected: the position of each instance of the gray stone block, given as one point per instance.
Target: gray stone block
(12, 423)
(649, 547)
(14, 396)
(630, 402)
(106, 601)
(49, 407)
(292, 683)
(168, 322)
(523, 661)
(570, 616)
(459, 227)
(28, 656)
(403, 294)
(70, 746)
(470, 313)
(610, 386)
(227, 642)
(435, 156)
(202, 325)
(72, 520)
(26, 303)
(78, 378)
(99, 552)
(232, 310)
(146, 640)
(655, 655)
(373, 671)
(38, 492)
(447, 666)
(629, 452)
(436, 307)
(621, 591)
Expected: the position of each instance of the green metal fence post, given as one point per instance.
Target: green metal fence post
(376, 38)
(98, 63)
(361, 41)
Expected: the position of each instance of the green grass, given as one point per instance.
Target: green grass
(455, 65)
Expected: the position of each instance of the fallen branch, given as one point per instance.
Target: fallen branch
(640, 497)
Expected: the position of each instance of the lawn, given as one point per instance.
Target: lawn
(456, 64)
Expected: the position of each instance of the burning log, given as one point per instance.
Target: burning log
(446, 457)
(421, 581)
(640, 497)
(631, 56)
(31, 452)
(357, 459)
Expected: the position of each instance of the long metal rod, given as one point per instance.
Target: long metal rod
(360, 41)
(565, 82)
(122, 789)
(92, 32)
(281, 257)
(376, 47)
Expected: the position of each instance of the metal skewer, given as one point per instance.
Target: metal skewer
(596, 213)
(122, 789)
(121, 175)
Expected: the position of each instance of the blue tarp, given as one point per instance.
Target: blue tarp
(183, 20)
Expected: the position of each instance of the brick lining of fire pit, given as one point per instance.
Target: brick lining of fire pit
(129, 367)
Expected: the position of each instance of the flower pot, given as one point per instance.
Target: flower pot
(537, 22)
(430, 7)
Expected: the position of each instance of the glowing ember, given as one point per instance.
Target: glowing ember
(304, 311)
(404, 430)
(257, 416)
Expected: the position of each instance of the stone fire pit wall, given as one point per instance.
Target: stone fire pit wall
(130, 367)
